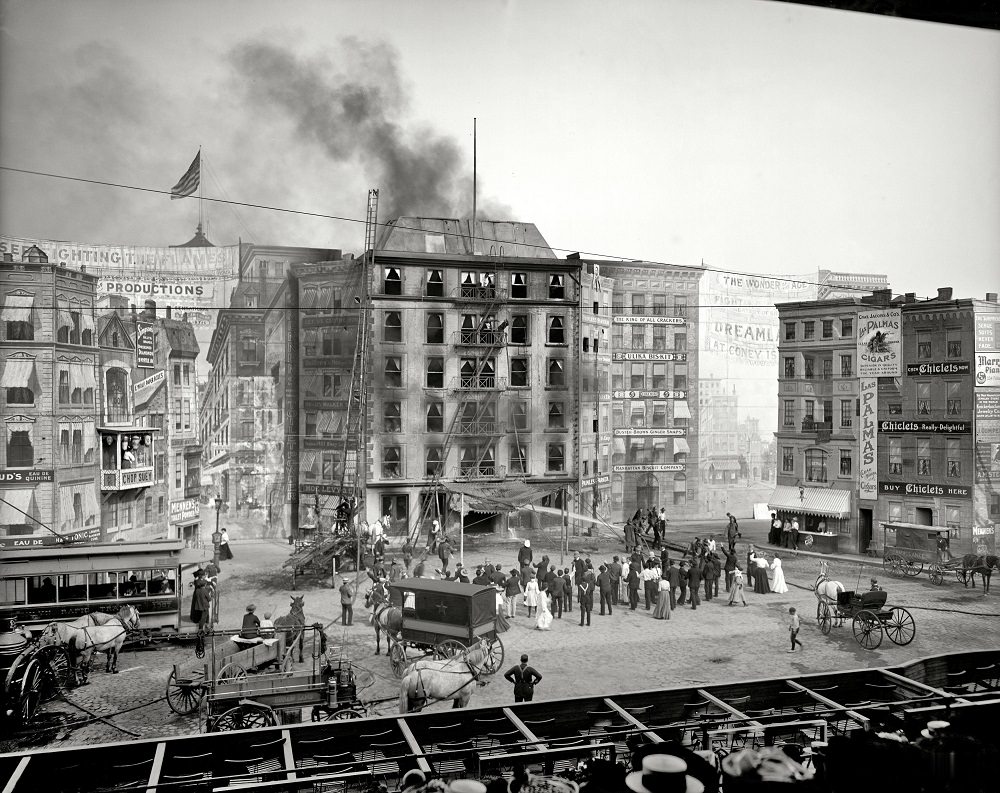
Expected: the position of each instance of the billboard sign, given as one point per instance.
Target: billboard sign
(988, 369)
(670, 394)
(21, 478)
(868, 467)
(939, 367)
(928, 427)
(629, 319)
(638, 468)
(145, 349)
(879, 343)
(650, 432)
(679, 357)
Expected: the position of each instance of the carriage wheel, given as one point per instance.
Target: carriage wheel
(342, 715)
(962, 575)
(891, 564)
(184, 695)
(397, 657)
(231, 673)
(30, 690)
(912, 567)
(494, 658)
(825, 618)
(55, 669)
(244, 717)
(936, 573)
(449, 648)
(867, 629)
(900, 627)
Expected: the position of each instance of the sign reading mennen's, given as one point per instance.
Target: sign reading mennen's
(938, 427)
(939, 367)
(641, 320)
(649, 356)
(919, 489)
(670, 394)
(649, 432)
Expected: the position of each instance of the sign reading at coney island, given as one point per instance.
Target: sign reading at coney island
(879, 343)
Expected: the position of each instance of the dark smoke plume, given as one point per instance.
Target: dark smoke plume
(354, 112)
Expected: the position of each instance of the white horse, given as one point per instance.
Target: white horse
(426, 680)
(825, 589)
(124, 615)
(82, 643)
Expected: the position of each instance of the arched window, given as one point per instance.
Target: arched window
(116, 395)
(393, 328)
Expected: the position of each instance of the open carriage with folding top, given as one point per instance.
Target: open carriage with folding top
(870, 618)
(443, 618)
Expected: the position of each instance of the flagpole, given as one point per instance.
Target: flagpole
(201, 195)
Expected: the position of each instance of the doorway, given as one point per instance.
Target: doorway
(480, 522)
(864, 530)
(923, 516)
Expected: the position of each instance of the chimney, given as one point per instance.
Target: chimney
(150, 308)
(944, 293)
(910, 297)
(8, 257)
(991, 297)
(168, 312)
(881, 297)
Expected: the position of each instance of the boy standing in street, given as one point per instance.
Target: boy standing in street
(793, 629)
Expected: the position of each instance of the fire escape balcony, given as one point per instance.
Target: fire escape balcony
(480, 294)
(481, 382)
(484, 470)
(482, 427)
(479, 338)
(811, 425)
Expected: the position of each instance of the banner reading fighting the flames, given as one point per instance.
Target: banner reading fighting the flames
(879, 343)
(868, 456)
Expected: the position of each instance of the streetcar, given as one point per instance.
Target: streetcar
(61, 583)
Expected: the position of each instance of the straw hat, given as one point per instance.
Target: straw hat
(663, 773)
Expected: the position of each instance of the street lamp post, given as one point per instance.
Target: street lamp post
(217, 535)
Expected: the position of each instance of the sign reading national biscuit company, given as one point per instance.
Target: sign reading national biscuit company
(941, 367)
(649, 356)
(933, 427)
(647, 467)
(641, 320)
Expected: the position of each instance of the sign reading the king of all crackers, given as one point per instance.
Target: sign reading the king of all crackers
(879, 343)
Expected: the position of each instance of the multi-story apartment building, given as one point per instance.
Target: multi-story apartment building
(817, 436)
(719, 433)
(938, 422)
(474, 360)
(654, 380)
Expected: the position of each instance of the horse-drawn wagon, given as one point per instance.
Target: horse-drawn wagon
(870, 617)
(29, 673)
(443, 618)
(909, 549)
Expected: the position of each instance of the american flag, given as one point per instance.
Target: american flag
(189, 181)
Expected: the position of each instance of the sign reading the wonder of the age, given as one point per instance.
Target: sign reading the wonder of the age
(938, 367)
(879, 342)
(920, 489)
(650, 356)
(930, 427)
(868, 468)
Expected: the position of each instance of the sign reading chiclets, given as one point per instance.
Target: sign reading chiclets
(879, 343)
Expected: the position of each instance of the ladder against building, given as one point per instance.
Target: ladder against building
(354, 458)
(477, 418)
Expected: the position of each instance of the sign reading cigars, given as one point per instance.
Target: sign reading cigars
(879, 343)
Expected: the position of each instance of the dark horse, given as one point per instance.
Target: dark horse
(973, 563)
(293, 624)
(385, 616)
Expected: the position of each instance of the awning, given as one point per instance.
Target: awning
(813, 501)
(18, 503)
(89, 437)
(81, 375)
(18, 373)
(501, 496)
(681, 410)
(20, 426)
(723, 464)
(308, 299)
(86, 318)
(681, 445)
(64, 318)
(313, 384)
(307, 462)
(326, 421)
(17, 308)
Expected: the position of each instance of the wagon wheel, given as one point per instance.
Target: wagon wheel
(900, 627)
(397, 657)
(867, 629)
(494, 658)
(962, 575)
(912, 567)
(825, 618)
(30, 693)
(449, 648)
(245, 717)
(184, 695)
(891, 564)
(231, 673)
(936, 573)
(342, 715)
(56, 669)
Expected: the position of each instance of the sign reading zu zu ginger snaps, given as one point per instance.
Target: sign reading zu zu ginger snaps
(879, 343)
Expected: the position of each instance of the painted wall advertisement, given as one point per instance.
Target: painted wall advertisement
(879, 343)
(868, 467)
(145, 348)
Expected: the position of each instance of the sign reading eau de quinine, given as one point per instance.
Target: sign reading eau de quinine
(649, 356)
(26, 477)
(933, 427)
(920, 489)
(628, 319)
(939, 367)
(879, 343)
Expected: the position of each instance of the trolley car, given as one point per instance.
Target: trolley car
(443, 618)
(61, 583)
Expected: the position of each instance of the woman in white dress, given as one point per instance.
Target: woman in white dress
(544, 621)
(531, 594)
(778, 581)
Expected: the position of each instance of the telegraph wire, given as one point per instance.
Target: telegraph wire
(604, 258)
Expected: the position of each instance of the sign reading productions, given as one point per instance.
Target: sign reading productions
(144, 347)
(878, 342)
(650, 356)
(933, 427)
(644, 467)
(913, 489)
(868, 468)
(943, 367)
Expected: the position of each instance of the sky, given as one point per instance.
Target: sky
(752, 136)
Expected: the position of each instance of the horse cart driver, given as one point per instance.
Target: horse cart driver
(943, 548)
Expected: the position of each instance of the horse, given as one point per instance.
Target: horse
(982, 564)
(293, 624)
(82, 643)
(385, 616)
(124, 615)
(825, 589)
(427, 680)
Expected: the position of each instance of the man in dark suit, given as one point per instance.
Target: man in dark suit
(674, 577)
(634, 582)
(524, 678)
(605, 588)
(694, 581)
(682, 584)
(615, 571)
(585, 592)
(567, 589)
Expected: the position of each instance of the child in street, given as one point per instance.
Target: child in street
(793, 629)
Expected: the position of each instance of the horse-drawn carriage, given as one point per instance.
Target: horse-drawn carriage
(909, 549)
(870, 617)
(29, 673)
(443, 618)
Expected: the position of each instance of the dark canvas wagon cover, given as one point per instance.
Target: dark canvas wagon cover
(444, 609)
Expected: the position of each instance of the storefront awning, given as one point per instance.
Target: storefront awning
(813, 501)
(501, 496)
(18, 373)
(681, 445)
(681, 410)
(17, 506)
(17, 308)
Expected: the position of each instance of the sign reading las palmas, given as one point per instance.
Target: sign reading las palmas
(879, 343)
